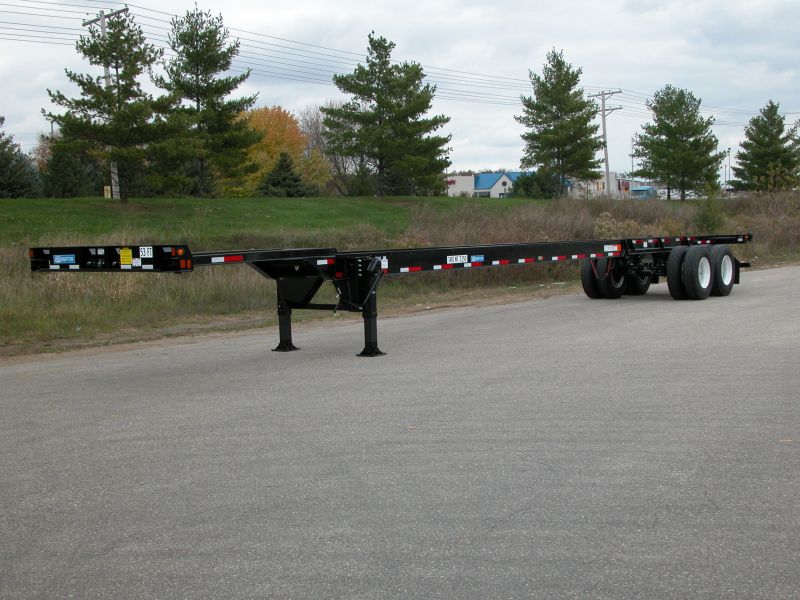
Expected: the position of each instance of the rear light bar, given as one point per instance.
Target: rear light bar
(160, 258)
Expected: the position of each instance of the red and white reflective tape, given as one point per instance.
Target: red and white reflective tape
(227, 259)
(325, 261)
(612, 251)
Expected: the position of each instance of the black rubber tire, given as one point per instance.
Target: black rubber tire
(611, 285)
(698, 273)
(589, 279)
(723, 265)
(675, 272)
(637, 285)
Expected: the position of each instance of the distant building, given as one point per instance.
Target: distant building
(644, 192)
(622, 186)
(460, 185)
(499, 185)
(482, 185)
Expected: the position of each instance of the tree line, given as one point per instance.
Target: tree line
(194, 138)
(677, 148)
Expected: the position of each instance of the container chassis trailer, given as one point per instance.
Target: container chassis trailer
(695, 267)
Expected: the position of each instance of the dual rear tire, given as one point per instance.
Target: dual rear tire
(693, 272)
(696, 272)
(724, 270)
(604, 278)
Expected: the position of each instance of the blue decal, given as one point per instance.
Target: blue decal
(478, 258)
(64, 259)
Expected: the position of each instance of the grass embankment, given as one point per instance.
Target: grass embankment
(68, 310)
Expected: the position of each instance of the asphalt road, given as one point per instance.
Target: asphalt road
(561, 448)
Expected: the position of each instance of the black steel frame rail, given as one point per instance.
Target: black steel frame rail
(300, 272)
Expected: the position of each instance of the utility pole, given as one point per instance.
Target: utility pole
(730, 174)
(604, 110)
(101, 18)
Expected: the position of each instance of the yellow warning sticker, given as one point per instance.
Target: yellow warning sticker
(125, 256)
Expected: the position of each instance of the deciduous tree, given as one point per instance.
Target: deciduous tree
(347, 175)
(678, 148)
(280, 132)
(561, 141)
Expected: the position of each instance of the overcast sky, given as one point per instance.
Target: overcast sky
(734, 55)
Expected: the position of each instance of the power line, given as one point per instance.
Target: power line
(273, 56)
(33, 41)
(77, 12)
(41, 26)
(16, 12)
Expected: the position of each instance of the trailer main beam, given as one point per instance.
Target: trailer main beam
(612, 267)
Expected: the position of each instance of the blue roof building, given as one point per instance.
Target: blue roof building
(483, 185)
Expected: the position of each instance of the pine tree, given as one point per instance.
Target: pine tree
(206, 135)
(119, 120)
(18, 175)
(283, 182)
(678, 148)
(383, 126)
(71, 170)
(769, 158)
(561, 141)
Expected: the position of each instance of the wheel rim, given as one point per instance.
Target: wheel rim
(617, 281)
(704, 272)
(726, 270)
